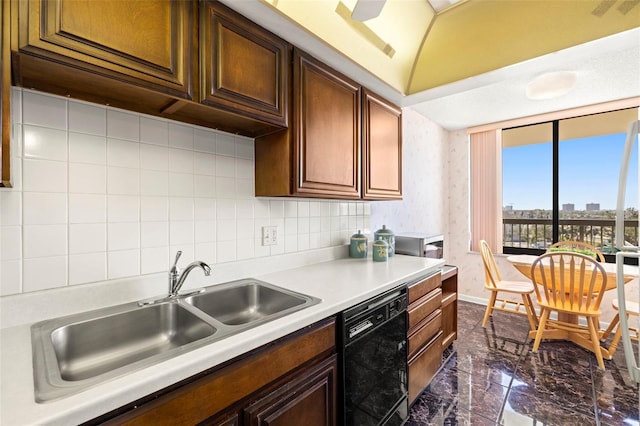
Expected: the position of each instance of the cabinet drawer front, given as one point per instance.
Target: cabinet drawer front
(424, 332)
(419, 289)
(421, 309)
(423, 367)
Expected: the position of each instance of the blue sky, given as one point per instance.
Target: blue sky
(589, 173)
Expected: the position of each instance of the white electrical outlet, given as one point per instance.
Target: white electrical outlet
(269, 235)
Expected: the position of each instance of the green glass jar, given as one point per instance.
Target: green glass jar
(388, 236)
(358, 246)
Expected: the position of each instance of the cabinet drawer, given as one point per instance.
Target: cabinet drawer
(425, 331)
(424, 366)
(421, 309)
(421, 288)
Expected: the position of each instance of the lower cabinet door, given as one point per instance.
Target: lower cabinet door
(423, 366)
(309, 399)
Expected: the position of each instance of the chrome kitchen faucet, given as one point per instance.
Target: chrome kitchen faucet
(176, 280)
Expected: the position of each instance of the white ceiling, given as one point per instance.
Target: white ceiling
(608, 69)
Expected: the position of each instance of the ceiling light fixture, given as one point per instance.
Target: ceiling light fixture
(551, 85)
(367, 9)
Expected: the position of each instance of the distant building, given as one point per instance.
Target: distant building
(509, 207)
(568, 207)
(593, 207)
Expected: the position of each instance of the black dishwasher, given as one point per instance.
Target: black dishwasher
(374, 361)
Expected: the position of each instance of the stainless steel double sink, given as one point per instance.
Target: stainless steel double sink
(78, 351)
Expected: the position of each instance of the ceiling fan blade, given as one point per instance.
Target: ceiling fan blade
(367, 9)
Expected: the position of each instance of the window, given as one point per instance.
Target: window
(560, 180)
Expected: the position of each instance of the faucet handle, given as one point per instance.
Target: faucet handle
(175, 262)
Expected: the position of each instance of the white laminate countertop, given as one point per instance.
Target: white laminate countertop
(339, 283)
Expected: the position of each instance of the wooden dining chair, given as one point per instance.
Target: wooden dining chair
(633, 309)
(496, 285)
(579, 247)
(572, 285)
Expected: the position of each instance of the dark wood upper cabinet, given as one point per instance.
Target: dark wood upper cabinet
(5, 95)
(319, 154)
(244, 67)
(146, 43)
(382, 148)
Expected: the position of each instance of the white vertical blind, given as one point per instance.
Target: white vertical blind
(486, 189)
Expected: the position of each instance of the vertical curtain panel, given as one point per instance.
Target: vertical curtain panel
(486, 189)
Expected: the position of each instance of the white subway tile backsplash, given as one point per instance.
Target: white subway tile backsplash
(123, 208)
(44, 175)
(154, 131)
(154, 157)
(10, 243)
(87, 208)
(119, 193)
(204, 141)
(87, 118)
(226, 229)
(87, 178)
(181, 209)
(154, 234)
(10, 277)
(205, 164)
(180, 136)
(154, 183)
(181, 232)
(180, 160)
(225, 166)
(206, 252)
(44, 273)
(225, 144)
(123, 125)
(244, 209)
(205, 231)
(244, 249)
(225, 209)
(154, 259)
(244, 189)
(225, 188)
(123, 236)
(125, 263)
(290, 209)
(16, 104)
(123, 181)
(44, 110)
(244, 229)
(87, 149)
(87, 238)
(244, 148)
(87, 268)
(244, 169)
(123, 153)
(45, 240)
(180, 184)
(204, 186)
(44, 208)
(10, 208)
(205, 209)
(154, 208)
(225, 251)
(44, 143)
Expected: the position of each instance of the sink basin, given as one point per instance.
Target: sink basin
(247, 301)
(76, 352)
(90, 348)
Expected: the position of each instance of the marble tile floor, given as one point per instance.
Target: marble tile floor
(491, 377)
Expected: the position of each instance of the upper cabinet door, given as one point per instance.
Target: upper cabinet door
(244, 68)
(147, 43)
(327, 114)
(382, 148)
